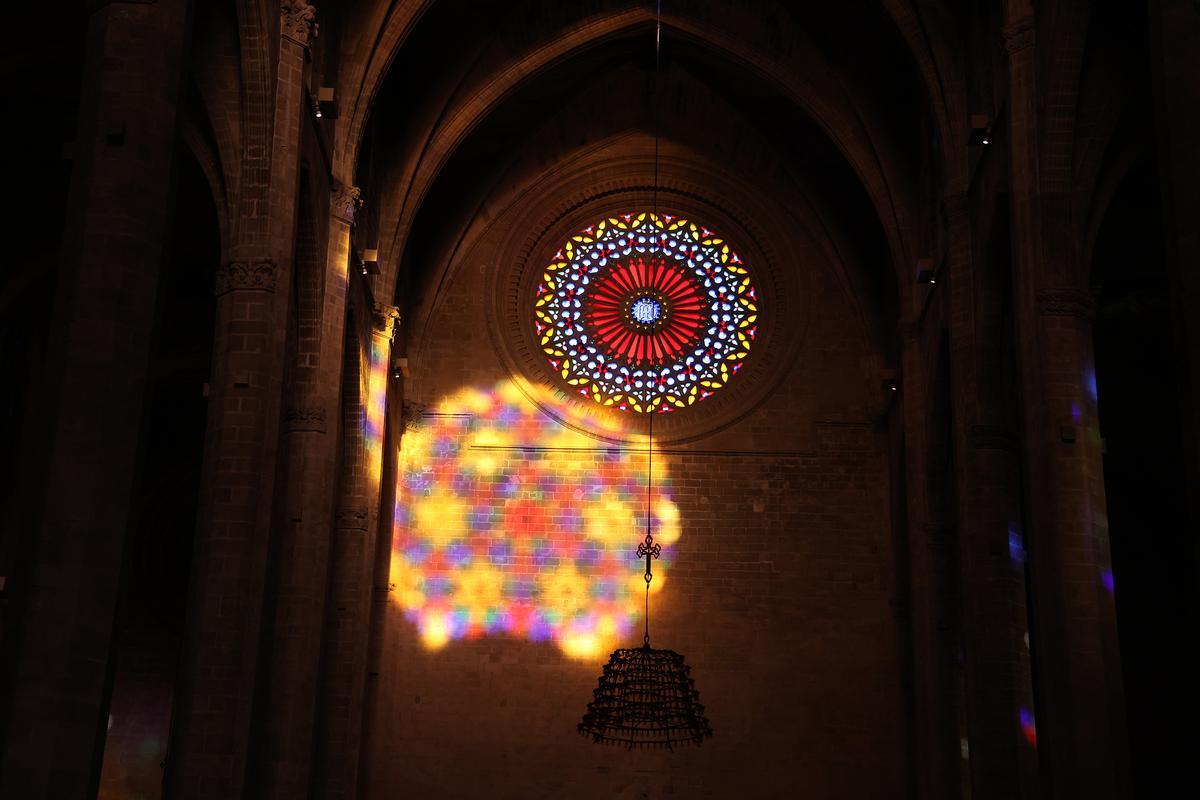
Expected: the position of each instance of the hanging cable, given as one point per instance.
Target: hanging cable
(654, 101)
(645, 698)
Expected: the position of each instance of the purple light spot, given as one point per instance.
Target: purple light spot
(571, 519)
(417, 552)
(541, 629)
(520, 588)
(587, 556)
(1016, 547)
(482, 518)
(545, 557)
(459, 554)
(437, 587)
(1028, 726)
(604, 590)
(1106, 579)
(499, 553)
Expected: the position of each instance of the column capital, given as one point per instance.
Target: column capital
(311, 419)
(1018, 35)
(297, 21)
(345, 201)
(1066, 302)
(386, 319)
(350, 518)
(251, 276)
(411, 413)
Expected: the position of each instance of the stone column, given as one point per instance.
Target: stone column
(1080, 708)
(355, 532)
(310, 426)
(1175, 63)
(930, 543)
(373, 751)
(1003, 763)
(213, 742)
(60, 649)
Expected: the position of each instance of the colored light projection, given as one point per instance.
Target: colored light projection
(510, 523)
(374, 387)
(646, 312)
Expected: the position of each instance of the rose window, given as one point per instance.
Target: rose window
(646, 311)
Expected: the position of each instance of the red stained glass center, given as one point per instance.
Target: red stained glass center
(619, 298)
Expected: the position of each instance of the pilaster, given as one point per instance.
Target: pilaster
(61, 653)
(1079, 711)
(934, 688)
(356, 532)
(215, 744)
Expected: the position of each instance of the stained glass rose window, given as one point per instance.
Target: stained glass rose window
(646, 311)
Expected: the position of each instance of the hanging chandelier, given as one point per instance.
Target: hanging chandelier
(646, 697)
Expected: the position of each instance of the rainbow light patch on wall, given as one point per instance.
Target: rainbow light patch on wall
(510, 523)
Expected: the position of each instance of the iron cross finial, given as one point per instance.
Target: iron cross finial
(649, 549)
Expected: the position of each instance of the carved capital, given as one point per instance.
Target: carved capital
(350, 518)
(411, 413)
(1018, 36)
(386, 319)
(345, 201)
(1066, 302)
(296, 420)
(297, 21)
(257, 276)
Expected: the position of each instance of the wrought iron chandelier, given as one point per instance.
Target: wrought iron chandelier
(646, 697)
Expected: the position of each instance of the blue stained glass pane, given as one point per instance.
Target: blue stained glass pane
(646, 310)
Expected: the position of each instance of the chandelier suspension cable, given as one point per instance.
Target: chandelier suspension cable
(646, 697)
(654, 100)
(652, 550)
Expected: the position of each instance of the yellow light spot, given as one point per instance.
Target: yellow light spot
(606, 627)
(435, 632)
(581, 645)
(479, 590)
(441, 518)
(609, 520)
(668, 521)
(480, 456)
(637, 584)
(565, 590)
(510, 393)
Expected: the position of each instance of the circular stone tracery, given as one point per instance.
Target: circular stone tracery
(646, 311)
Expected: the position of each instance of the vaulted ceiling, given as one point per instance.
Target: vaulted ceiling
(451, 109)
